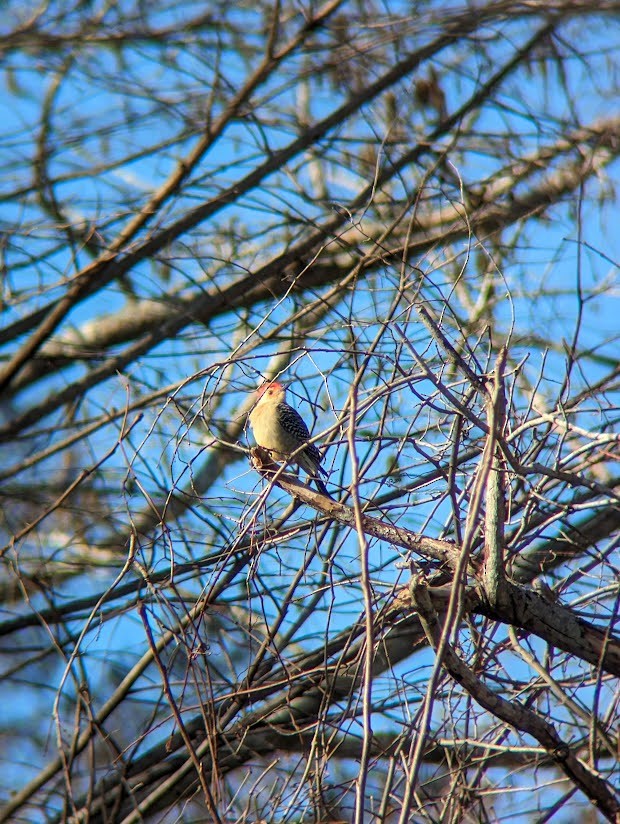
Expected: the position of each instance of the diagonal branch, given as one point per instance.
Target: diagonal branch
(514, 713)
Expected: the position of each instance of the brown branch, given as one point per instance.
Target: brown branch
(519, 607)
(513, 712)
(442, 551)
(493, 574)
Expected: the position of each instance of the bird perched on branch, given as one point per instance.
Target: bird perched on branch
(281, 430)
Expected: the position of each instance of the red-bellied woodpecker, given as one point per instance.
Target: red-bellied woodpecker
(281, 430)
